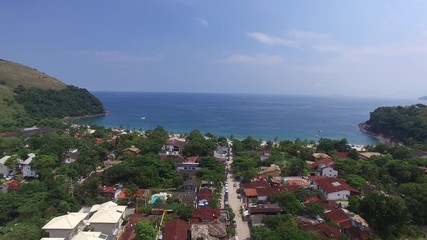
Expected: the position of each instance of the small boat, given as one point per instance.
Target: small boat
(143, 118)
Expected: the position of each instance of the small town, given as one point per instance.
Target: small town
(121, 184)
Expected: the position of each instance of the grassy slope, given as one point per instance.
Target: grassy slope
(14, 74)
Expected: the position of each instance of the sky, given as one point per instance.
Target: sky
(320, 47)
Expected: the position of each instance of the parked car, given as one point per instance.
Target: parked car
(233, 223)
(239, 196)
(234, 184)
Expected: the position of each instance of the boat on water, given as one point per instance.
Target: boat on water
(143, 118)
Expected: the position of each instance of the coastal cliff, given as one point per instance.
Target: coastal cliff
(398, 125)
(31, 94)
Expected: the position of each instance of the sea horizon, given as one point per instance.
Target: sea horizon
(261, 116)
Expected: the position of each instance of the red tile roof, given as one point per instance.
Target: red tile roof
(107, 189)
(330, 185)
(140, 194)
(193, 159)
(256, 183)
(176, 143)
(338, 216)
(357, 234)
(324, 230)
(341, 154)
(251, 192)
(13, 183)
(176, 229)
(204, 193)
(325, 161)
(299, 182)
(205, 215)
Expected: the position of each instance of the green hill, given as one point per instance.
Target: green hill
(28, 93)
(400, 124)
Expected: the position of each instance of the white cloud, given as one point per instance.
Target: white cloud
(271, 40)
(307, 35)
(255, 59)
(116, 56)
(202, 22)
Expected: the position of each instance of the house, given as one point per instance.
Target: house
(263, 156)
(265, 209)
(185, 197)
(327, 172)
(222, 153)
(188, 169)
(193, 159)
(176, 229)
(140, 194)
(90, 236)
(210, 231)
(324, 230)
(108, 218)
(367, 155)
(204, 196)
(10, 185)
(132, 150)
(205, 215)
(4, 170)
(174, 146)
(26, 166)
(332, 188)
(320, 155)
(272, 171)
(339, 217)
(66, 226)
(325, 162)
(191, 185)
(108, 191)
(71, 156)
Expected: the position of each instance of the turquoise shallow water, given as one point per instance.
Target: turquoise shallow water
(260, 116)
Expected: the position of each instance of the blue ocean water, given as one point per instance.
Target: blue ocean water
(241, 115)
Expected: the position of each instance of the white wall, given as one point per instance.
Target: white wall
(341, 195)
(329, 172)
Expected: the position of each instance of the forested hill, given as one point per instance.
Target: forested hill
(28, 93)
(400, 124)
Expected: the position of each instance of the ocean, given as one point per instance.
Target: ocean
(265, 117)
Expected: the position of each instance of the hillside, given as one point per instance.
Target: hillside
(407, 125)
(26, 92)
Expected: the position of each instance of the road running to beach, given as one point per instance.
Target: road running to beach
(242, 230)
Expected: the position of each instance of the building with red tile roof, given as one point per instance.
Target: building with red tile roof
(204, 194)
(339, 217)
(205, 215)
(139, 195)
(176, 229)
(325, 162)
(194, 159)
(251, 192)
(333, 188)
(324, 230)
(341, 155)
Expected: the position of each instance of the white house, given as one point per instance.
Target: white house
(3, 168)
(328, 172)
(332, 188)
(90, 236)
(71, 156)
(108, 218)
(26, 166)
(66, 226)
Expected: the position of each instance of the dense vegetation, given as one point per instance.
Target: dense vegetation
(402, 124)
(28, 97)
(69, 102)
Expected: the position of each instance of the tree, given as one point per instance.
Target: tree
(145, 231)
(314, 209)
(355, 180)
(184, 211)
(288, 202)
(386, 215)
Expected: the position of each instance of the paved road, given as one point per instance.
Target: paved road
(242, 229)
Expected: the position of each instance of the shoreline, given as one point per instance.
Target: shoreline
(88, 116)
(364, 128)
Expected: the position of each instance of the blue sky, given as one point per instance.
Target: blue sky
(320, 47)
